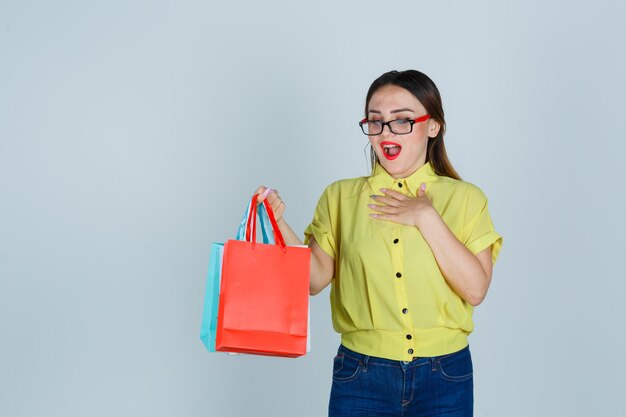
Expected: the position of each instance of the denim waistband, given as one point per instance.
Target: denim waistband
(374, 360)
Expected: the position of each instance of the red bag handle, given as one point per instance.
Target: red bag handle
(251, 234)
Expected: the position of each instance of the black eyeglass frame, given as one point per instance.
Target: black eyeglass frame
(388, 124)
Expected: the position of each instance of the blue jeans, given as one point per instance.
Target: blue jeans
(370, 386)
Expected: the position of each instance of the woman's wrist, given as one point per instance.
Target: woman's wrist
(425, 216)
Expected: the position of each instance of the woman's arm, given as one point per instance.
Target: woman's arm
(322, 264)
(468, 274)
(322, 268)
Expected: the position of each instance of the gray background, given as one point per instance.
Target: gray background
(133, 133)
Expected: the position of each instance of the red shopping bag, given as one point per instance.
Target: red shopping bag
(264, 295)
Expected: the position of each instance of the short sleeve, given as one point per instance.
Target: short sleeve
(322, 226)
(479, 232)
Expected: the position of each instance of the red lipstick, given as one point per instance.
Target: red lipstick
(391, 150)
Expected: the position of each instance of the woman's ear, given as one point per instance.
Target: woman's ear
(433, 128)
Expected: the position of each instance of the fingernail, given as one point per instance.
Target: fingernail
(423, 186)
(373, 196)
(266, 192)
(384, 190)
(371, 206)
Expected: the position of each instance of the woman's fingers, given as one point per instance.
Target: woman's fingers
(278, 205)
(260, 191)
(272, 196)
(263, 192)
(386, 200)
(382, 209)
(422, 190)
(393, 194)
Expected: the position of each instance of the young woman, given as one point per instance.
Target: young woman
(408, 252)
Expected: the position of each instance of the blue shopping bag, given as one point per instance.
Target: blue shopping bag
(212, 290)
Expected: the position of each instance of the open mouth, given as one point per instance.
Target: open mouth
(391, 150)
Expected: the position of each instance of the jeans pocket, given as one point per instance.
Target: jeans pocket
(345, 368)
(337, 363)
(456, 367)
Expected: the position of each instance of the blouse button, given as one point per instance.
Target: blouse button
(398, 275)
(400, 184)
(405, 310)
(409, 337)
(396, 241)
(410, 351)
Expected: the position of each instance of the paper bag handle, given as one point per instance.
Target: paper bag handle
(251, 234)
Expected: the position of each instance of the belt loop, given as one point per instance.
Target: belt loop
(365, 361)
(433, 362)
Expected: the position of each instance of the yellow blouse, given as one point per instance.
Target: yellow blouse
(388, 297)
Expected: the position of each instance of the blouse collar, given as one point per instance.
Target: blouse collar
(380, 178)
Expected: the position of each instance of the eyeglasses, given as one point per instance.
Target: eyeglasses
(397, 127)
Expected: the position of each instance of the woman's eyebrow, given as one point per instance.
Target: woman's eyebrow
(393, 111)
(401, 110)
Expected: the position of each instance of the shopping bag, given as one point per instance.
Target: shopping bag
(212, 289)
(211, 297)
(264, 294)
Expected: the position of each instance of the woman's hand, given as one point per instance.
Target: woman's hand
(322, 265)
(399, 208)
(469, 275)
(278, 206)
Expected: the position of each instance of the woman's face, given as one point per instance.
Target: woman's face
(400, 155)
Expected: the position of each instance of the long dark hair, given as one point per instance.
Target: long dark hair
(425, 90)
